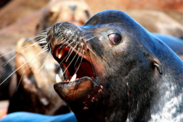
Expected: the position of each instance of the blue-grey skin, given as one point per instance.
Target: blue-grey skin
(137, 79)
(176, 44)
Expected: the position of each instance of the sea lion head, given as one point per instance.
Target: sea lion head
(112, 67)
(73, 11)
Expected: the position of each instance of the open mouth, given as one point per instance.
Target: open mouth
(73, 64)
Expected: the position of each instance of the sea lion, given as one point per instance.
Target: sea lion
(73, 11)
(115, 70)
(33, 91)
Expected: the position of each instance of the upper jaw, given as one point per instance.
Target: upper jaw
(74, 64)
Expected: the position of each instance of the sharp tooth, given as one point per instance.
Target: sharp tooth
(59, 56)
(58, 78)
(73, 78)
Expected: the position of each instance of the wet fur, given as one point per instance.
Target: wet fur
(134, 83)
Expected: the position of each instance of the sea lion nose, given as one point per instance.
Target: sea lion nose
(65, 29)
(56, 29)
(65, 33)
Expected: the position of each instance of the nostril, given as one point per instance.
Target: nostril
(73, 9)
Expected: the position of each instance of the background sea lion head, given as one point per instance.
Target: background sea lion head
(120, 67)
(32, 91)
(73, 11)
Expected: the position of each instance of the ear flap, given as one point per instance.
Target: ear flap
(157, 64)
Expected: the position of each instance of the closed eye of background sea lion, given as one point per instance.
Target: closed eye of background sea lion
(131, 75)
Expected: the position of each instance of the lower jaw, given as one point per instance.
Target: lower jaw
(76, 90)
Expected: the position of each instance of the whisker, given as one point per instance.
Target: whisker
(72, 51)
(70, 63)
(48, 55)
(26, 70)
(69, 44)
(37, 37)
(7, 53)
(59, 35)
(15, 50)
(80, 62)
(46, 46)
(26, 47)
(5, 63)
(92, 51)
(90, 48)
(20, 67)
(67, 54)
(65, 57)
(71, 36)
(64, 43)
(78, 57)
(42, 36)
(91, 38)
(41, 41)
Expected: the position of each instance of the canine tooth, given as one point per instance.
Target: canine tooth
(73, 78)
(59, 56)
(58, 78)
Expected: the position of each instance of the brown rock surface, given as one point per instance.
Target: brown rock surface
(11, 34)
(16, 10)
(168, 23)
(168, 5)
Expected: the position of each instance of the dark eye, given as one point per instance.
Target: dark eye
(114, 38)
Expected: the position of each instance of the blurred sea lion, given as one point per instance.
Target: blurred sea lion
(34, 91)
(159, 21)
(73, 11)
(41, 95)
